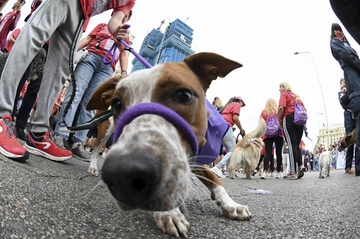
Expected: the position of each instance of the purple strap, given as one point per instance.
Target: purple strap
(112, 51)
(137, 55)
(160, 110)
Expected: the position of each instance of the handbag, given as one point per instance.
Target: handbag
(300, 114)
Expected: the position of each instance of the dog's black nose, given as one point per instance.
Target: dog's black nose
(133, 179)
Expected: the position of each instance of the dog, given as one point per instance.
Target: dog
(247, 151)
(159, 120)
(347, 140)
(36, 66)
(325, 164)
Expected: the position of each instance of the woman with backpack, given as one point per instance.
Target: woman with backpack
(293, 131)
(273, 134)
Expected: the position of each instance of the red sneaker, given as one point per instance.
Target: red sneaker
(45, 147)
(9, 146)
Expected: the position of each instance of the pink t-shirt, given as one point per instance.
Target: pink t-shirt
(101, 34)
(94, 7)
(287, 100)
(229, 112)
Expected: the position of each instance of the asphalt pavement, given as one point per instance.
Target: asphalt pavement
(45, 199)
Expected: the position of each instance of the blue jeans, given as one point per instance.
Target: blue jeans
(89, 74)
(316, 165)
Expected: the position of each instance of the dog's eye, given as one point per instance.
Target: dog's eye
(116, 107)
(184, 96)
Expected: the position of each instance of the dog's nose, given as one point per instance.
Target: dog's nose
(132, 179)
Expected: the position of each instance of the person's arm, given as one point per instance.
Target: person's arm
(84, 42)
(280, 115)
(124, 61)
(115, 27)
(237, 123)
(11, 39)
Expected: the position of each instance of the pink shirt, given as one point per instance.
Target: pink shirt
(229, 112)
(93, 7)
(287, 100)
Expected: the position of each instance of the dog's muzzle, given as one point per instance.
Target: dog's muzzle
(133, 179)
(160, 110)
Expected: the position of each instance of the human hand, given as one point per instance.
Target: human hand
(121, 33)
(242, 132)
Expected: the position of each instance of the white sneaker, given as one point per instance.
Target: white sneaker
(279, 175)
(217, 172)
(272, 174)
(264, 175)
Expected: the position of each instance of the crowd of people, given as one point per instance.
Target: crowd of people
(56, 26)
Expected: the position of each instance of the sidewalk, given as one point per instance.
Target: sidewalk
(45, 199)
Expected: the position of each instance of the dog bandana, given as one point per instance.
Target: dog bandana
(160, 110)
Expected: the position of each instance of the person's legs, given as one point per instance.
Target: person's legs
(350, 124)
(279, 141)
(229, 143)
(290, 135)
(83, 74)
(61, 27)
(102, 73)
(268, 148)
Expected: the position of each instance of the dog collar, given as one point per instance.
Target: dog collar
(160, 110)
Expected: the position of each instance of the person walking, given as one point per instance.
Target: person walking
(89, 74)
(271, 109)
(349, 62)
(292, 132)
(231, 115)
(62, 22)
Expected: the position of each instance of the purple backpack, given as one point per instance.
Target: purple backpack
(273, 128)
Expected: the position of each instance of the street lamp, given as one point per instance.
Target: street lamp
(322, 95)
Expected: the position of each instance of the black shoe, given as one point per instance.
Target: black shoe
(80, 153)
(20, 133)
(347, 170)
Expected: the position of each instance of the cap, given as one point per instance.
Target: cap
(240, 98)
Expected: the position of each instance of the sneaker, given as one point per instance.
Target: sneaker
(9, 146)
(279, 175)
(254, 173)
(20, 133)
(347, 170)
(80, 153)
(217, 172)
(272, 174)
(301, 173)
(45, 147)
(104, 155)
(264, 175)
(291, 176)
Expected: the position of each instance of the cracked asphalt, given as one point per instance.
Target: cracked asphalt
(45, 199)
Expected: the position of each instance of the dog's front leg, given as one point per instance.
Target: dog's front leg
(172, 222)
(230, 208)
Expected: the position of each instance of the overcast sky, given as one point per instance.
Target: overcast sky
(262, 35)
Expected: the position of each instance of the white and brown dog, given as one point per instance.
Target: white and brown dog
(160, 120)
(324, 164)
(247, 151)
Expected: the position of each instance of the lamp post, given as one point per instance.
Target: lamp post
(322, 95)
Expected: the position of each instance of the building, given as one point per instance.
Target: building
(335, 133)
(171, 46)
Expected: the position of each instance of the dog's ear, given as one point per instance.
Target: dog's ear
(101, 98)
(209, 66)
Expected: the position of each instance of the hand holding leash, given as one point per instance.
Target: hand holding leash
(121, 33)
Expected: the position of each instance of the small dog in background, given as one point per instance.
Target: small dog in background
(36, 66)
(324, 164)
(247, 151)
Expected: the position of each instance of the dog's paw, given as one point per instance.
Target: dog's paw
(230, 208)
(172, 222)
(93, 170)
(236, 211)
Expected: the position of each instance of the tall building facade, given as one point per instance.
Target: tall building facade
(171, 46)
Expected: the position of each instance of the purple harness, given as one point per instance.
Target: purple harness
(160, 110)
